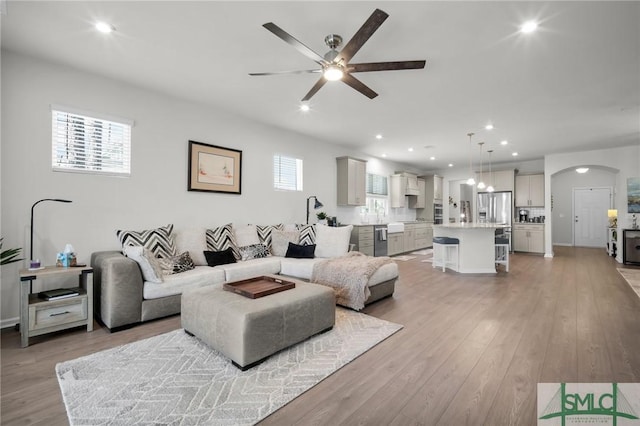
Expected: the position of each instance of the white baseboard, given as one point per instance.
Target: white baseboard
(563, 244)
(10, 322)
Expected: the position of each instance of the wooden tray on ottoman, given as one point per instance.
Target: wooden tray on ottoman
(254, 288)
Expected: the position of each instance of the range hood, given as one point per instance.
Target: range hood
(410, 183)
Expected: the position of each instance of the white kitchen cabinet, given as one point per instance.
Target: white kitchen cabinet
(530, 191)
(432, 194)
(528, 238)
(352, 181)
(418, 202)
(395, 243)
(396, 191)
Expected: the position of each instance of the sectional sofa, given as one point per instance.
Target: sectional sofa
(128, 293)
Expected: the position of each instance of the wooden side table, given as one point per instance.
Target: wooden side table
(38, 316)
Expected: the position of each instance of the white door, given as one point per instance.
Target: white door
(590, 221)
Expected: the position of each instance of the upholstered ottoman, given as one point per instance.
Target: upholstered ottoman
(249, 330)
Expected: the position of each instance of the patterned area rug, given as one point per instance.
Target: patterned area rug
(632, 276)
(176, 379)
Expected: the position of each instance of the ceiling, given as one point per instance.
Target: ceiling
(572, 85)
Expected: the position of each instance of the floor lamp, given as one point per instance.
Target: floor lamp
(31, 234)
(316, 205)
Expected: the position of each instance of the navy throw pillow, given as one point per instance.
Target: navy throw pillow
(301, 252)
(223, 257)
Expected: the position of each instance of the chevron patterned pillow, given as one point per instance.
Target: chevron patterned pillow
(221, 238)
(307, 234)
(159, 241)
(265, 233)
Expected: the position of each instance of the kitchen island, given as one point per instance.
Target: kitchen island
(476, 251)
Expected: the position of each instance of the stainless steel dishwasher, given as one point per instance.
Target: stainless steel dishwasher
(380, 240)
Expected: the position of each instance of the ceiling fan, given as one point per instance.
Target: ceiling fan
(335, 65)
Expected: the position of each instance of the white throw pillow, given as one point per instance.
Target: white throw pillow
(245, 235)
(332, 241)
(149, 265)
(280, 241)
(193, 240)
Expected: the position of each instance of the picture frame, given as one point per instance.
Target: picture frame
(633, 195)
(214, 168)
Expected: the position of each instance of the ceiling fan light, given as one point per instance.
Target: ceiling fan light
(333, 73)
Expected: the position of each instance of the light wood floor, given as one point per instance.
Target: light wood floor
(472, 350)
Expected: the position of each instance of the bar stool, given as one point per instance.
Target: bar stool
(445, 253)
(502, 252)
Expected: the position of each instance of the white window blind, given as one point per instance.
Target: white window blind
(82, 143)
(287, 173)
(376, 184)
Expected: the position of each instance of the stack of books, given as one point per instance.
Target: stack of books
(59, 293)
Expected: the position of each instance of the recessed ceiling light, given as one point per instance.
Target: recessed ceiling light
(103, 27)
(489, 126)
(504, 142)
(378, 136)
(582, 169)
(529, 27)
(432, 158)
(384, 155)
(450, 164)
(304, 107)
(515, 154)
(410, 149)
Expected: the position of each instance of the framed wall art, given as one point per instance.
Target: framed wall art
(633, 195)
(214, 168)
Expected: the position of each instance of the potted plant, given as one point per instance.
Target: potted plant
(10, 255)
(322, 218)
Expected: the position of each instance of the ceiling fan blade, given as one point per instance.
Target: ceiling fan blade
(314, 89)
(386, 66)
(362, 35)
(295, 43)
(359, 86)
(285, 72)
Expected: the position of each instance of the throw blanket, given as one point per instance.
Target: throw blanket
(348, 276)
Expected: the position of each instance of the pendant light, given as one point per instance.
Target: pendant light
(490, 188)
(471, 180)
(481, 184)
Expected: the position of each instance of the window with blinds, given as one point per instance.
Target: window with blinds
(376, 184)
(287, 173)
(82, 143)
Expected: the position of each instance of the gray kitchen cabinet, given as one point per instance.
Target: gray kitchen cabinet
(362, 239)
(528, 238)
(352, 181)
(409, 237)
(396, 191)
(395, 243)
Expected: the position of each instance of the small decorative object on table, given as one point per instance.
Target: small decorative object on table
(67, 257)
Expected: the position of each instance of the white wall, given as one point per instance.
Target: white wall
(626, 160)
(562, 185)
(156, 193)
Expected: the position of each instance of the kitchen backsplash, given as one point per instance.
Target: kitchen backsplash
(533, 212)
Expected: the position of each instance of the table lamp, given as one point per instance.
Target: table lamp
(58, 200)
(316, 205)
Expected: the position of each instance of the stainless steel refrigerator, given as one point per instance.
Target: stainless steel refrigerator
(495, 207)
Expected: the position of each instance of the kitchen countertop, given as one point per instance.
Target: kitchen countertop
(472, 226)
